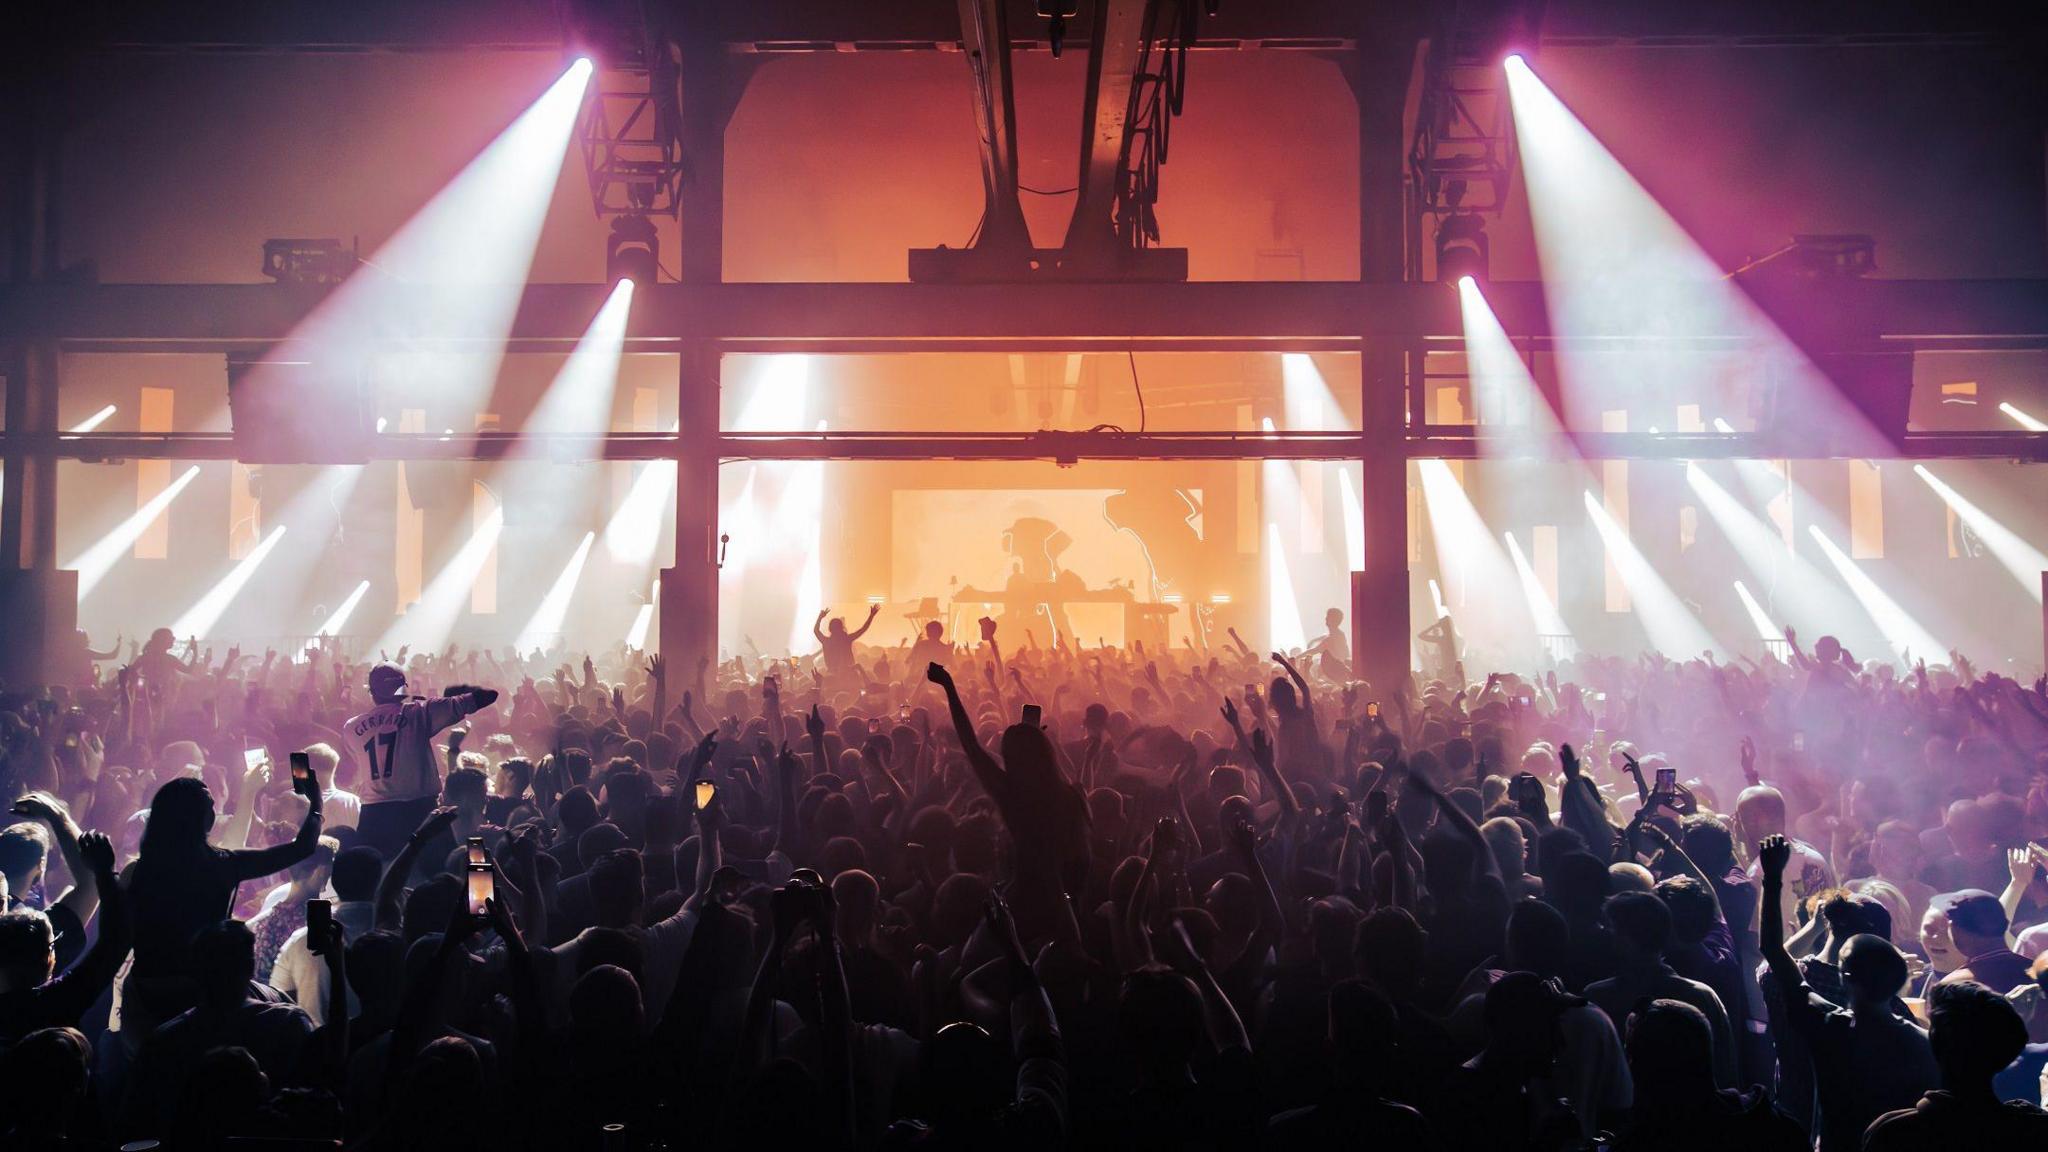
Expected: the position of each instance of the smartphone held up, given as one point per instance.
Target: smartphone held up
(319, 924)
(482, 881)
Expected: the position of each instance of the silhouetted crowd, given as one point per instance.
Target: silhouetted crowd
(959, 896)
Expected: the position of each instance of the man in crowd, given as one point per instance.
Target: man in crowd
(1242, 917)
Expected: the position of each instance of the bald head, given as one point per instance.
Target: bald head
(1761, 811)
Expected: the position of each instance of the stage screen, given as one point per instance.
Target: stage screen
(947, 540)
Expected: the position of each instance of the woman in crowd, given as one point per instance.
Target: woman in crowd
(1086, 898)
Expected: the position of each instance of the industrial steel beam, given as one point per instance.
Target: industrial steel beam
(1443, 442)
(1846, 315)
(245, 26)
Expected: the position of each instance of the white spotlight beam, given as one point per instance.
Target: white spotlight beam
(427, 624)
(579, 400)
(1904, 633)
(1801, 591)
(1502, 387)
(2023, 560)
(2022, 419)
(458, 267)
(1616, 264)
(95, 562)
(1475, 568)
(801, 518)
(1549, 620)
(93, 421)
(1766, 628)
(634, 530)
(546, 621)
(199, 619)
(339, 618)
(643, 620)
(1283, 608)
(1668, 623)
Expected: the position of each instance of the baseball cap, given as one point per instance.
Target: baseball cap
(386, 680)
(1973, 910)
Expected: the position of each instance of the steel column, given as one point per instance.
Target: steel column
(1379, 609)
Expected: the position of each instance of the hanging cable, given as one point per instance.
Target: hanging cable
(1138, 388)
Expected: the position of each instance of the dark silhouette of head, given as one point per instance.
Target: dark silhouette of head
(1873, 971)
(1363, 1027)
(1390, 948)
(1671, 1050)
(224, 957)
(180, 815)
(1975, 1033)
(1160, 1018)
(965, 1077)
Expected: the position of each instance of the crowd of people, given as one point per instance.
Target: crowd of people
(960, 896)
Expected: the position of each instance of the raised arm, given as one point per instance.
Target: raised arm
(1269, 770)
(62, 1001)
(1683, 863)
(83, 895)
(710, 852)
(866, 624)
(986, 770)
(1308, 702)
(1460, 820)
(250, 863)
(1581, 809)
(1772, 855)
(391, 888)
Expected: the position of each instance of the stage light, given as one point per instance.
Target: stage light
(1900, 629)
(1723, 427)
(93, 421)
(633, 251)
(2022, 419)
(1671, 627)
(2023, 560)
(1219, 598)
(1549, 621)
(1799, 591)
(339, 617)
(457, 269)
(199, 619)
(426, 626)
(545, 625)
(1461, 249)
(95, 562)
(1283, 609)
(1633, 297)
(1766, 628)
